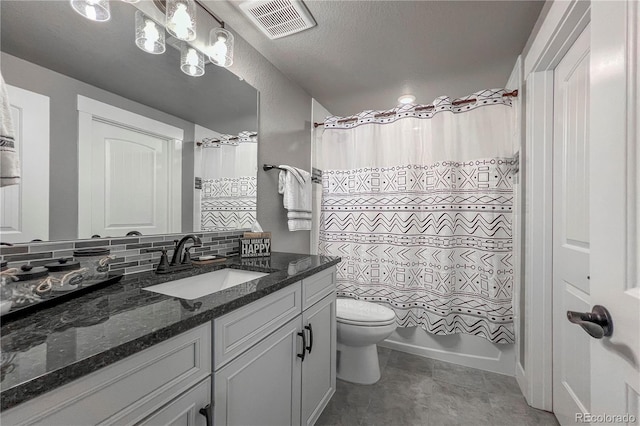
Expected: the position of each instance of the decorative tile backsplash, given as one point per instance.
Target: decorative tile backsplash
(128, 252)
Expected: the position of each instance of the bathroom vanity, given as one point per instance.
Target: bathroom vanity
(260, 352)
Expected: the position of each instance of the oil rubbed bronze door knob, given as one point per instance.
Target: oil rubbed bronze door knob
(597, 323)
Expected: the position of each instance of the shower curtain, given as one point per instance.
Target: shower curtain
(417, 201)
(229, 187)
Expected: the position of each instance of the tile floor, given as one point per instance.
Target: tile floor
(419, 391)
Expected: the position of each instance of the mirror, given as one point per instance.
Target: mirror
(108, 134)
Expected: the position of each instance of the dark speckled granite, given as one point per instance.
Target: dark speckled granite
(54, 346)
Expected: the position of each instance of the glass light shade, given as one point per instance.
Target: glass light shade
(191, 61)
(220, 48)
(95, 10)
(131, 1)
(181, 19)
(149, 34)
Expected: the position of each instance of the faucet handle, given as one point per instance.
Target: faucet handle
(186, 258)
(163, 266)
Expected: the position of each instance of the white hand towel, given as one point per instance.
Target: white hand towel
(9, 161)
(295, 186)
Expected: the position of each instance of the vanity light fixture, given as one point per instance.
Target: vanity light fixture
(95, 10)
(191, 61)
(407, 99)
(220, 48)
(149, 34)
(181, 19)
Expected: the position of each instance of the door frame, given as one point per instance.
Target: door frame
(88, 111)
(560, 28)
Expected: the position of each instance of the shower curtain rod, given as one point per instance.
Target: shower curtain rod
(513, 94)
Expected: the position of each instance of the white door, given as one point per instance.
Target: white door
(571, 240)
(130, 172)
(25, 218)
(130, 180)
(615, 220)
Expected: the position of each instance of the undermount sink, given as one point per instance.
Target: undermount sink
(205, 284)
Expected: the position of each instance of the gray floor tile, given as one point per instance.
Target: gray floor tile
(499, 383)
(413, 388)
(458, 375)
(414, 363)
(385, 410)
(457, 405)
(419, 391)
(383, 357)
(348, 405)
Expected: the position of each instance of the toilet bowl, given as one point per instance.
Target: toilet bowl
(361, 325)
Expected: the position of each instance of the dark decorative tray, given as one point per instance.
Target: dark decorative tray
(54, 299)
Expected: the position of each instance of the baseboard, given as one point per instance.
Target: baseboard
(521, 378)
(498, 364)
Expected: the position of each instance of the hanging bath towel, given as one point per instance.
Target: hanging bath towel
(9, 161)
(295, 186)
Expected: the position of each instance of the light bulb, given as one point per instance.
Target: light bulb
(219, 51)
(406, 99)
(191, 61)
(220, 48)
(151, 35)
(95, 10)
(181, 23)
(90, 11)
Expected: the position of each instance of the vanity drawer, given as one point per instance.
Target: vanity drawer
(127, 391)
(237, 331)
(317, 286)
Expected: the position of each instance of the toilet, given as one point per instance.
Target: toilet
(361, 325)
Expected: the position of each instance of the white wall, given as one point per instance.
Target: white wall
(318, 115)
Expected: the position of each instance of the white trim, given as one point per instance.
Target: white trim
(522, 381)
(137, 121)
(515, 82)
(90, 110)
(561, 27)
(495, 364)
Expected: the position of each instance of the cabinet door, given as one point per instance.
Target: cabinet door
(319, 366)
(262, 386)
(185, 410)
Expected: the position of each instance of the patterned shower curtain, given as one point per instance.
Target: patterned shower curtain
(417, 201)
(229, 187)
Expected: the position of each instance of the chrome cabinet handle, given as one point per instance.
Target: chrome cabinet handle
(597, 323)
(308, 327)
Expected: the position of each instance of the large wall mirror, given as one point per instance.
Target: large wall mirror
(114, 140)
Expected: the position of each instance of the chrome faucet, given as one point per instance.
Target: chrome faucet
(177, 251)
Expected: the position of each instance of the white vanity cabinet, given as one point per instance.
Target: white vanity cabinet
(263, 373)
(162, 382)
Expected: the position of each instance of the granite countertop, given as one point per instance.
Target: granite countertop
(52, 347)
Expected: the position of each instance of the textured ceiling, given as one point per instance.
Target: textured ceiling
(364, 54)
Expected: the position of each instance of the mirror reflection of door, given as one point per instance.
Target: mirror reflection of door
(24, 208)
(130, 172)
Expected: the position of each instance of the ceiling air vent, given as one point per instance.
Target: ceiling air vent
(278, 18)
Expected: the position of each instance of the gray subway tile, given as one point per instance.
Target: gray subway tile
(38, 248)
(8, 250)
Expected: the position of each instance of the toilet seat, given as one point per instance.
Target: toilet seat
(364, 314)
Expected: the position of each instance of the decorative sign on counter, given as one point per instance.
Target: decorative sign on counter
(255, 244)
